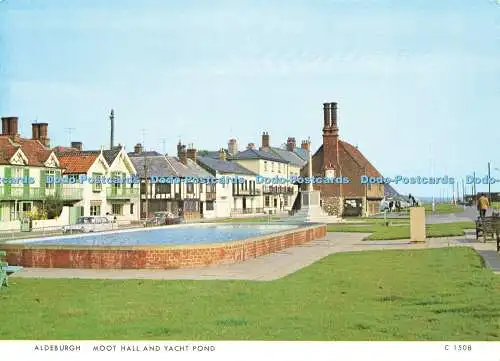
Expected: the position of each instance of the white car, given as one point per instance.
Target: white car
(89, 224)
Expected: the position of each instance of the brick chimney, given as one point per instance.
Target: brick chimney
(265, 140)
(181, 153)
(43, 133)
(9, 126)
(191, 153)
(251, 146)
(304, 145)
(138, 148)
(77, 145)
(330, 137)
(222, 154)
(326, 117)
(333, 118)
(290, 144)
(232, 146)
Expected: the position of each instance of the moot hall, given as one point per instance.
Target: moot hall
(338, 158)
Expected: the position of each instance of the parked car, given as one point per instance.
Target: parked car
(162, 218)
(89, 224)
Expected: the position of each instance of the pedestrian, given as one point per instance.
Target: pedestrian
(482, 205)
(391, 204)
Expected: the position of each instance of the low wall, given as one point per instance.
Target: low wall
(158, 257)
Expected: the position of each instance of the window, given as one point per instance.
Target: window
(246, 185)
(190, 187)
(143, 188)
(17, 172)
(132, 208)
(117, 209)
(369, 187)
(50, 174)
(272, 166)
(210, 206)
(95, 210)
(201, 188)
(265, 166)
(266, 201)
(285, 201)
(97, 185)
(279, 167)
(210, 188)
(163, 188)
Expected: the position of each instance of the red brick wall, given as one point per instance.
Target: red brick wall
(159, 258)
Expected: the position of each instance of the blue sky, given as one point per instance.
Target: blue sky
(414, 80)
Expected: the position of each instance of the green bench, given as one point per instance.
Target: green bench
(6, 270)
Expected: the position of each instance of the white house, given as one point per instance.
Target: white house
(107, 188)
(236, 190)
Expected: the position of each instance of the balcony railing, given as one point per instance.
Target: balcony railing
(246, 192)
(122, 193)
(278, 190)
(39, 194)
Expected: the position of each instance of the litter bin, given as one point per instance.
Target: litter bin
(26, 225)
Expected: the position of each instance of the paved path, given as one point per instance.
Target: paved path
(272, 266)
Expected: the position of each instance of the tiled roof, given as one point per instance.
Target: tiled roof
(224, 166)
(356, 155)
(152, 153)
(209, 153)
(35, 151)
(156, 166)
(360, 159)
(77, 162)
(289, 156)
(302, 153)
(61, 149)
(111, 154)
(190, 170)
(259, 154)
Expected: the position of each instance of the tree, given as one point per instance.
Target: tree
(53, 207)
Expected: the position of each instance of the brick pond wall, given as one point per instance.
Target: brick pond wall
(158, 257)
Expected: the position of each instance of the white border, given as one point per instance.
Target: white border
(250, 351)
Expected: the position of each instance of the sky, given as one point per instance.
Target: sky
(416, 82)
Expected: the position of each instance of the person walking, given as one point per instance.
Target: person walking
(483, 204)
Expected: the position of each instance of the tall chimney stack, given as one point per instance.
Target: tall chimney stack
(251, 146)
(290, 144)
(138, 148)
(333, 117)
(222, 154)
(77, 145)
(191, 153)
(43, 131)
(112, 136)
(9, 126)
(304, 145)
(326, 116)
(265, 140)
(181, 153)
(35, 131)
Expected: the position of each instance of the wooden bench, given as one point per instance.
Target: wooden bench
(489, 228)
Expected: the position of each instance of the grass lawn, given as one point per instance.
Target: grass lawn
(401, 230)
(444, 208)
(435, 294)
